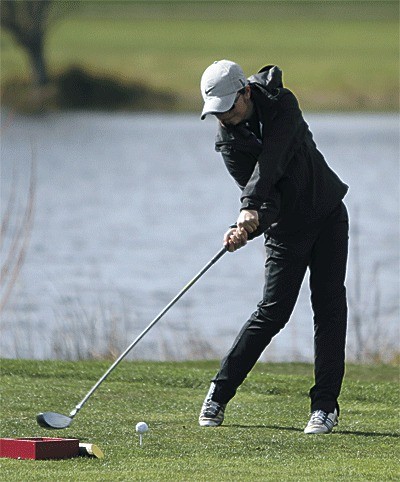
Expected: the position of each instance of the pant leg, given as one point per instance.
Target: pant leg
(328, 296)
(285, 268)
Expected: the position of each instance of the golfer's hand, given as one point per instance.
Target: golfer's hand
(235, 238)
(248, 220)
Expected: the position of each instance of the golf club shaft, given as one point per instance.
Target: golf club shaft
(148, 328)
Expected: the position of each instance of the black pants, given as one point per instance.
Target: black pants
(322, 248)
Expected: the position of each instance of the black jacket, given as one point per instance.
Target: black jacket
(275, 161)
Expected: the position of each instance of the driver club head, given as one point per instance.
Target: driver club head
(53, 420)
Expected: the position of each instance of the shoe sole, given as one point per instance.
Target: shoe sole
(209, 423)
(317, 432)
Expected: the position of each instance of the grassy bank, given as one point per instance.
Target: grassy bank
(340, 55)
(262, 438)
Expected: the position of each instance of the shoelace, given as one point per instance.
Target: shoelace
(319, 416)
(212, 408)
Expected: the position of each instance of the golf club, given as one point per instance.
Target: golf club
(59, 421)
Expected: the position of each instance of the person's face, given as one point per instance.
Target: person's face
(240, 110)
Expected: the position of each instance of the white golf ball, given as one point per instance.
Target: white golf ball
(142, 427)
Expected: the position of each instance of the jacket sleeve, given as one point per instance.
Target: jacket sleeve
(239, 155)
(240, 160)
(267, 214)
(280, 136)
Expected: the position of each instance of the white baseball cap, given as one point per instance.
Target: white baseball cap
(219, 85)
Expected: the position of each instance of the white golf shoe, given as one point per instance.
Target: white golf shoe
(322, 422)
(212, 413)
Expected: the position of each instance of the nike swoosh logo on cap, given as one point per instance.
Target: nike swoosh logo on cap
(208, 90)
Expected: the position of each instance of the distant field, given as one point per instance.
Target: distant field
(339, 55)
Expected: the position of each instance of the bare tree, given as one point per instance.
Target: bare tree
(27, 22)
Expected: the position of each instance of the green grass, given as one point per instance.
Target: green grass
(262, 438)
(339, 55)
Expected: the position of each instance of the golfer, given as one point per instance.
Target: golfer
(291, 196)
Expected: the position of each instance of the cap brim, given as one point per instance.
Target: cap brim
(218, 105)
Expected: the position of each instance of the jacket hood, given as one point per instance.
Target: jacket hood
(269, 77)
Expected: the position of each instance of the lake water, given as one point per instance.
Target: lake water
(129, 207)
